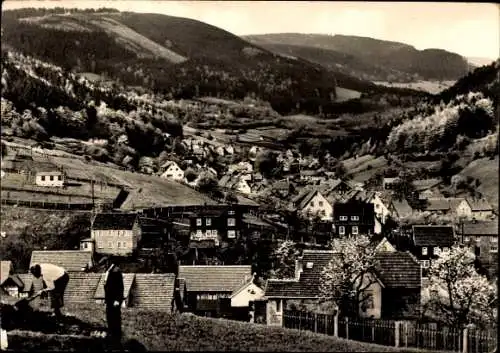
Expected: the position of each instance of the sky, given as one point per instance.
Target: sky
(469, 29)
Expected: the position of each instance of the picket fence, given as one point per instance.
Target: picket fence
(404, 334)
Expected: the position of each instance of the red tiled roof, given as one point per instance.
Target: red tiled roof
(128, 280)
(214, 278)
(70, 260)
(153, 291)
(81, 287)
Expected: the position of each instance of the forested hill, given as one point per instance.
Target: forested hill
(370, 58)
(175, 56)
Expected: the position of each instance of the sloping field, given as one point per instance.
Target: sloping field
(353, 163)
(432, 87)
(363, 168)
(345, 94)
(130, 39)
(146, 190)
(486, 171)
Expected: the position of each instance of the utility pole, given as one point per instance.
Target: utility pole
(93, 202)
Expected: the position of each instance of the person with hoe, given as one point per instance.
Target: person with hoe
(55, 279)
(113, 297)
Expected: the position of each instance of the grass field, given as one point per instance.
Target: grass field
(432, 87)
(164, 332)
(486, 170)
(344, 94)
(363, 168)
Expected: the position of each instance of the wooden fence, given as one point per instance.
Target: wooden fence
(56, 205)
(410, 334)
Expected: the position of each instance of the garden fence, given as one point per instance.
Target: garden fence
(407, 334)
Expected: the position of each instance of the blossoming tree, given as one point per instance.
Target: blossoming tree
(347, 278)
(457, 293)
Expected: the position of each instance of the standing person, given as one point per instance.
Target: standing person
(113, 297)
(55, 279)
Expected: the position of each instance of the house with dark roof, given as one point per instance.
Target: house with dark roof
(212, 226)
(116, 233)
(154, 291)
(353, 217)
(312, 203)
(482, 237)
(70, 260)
(426, 188)
(210, 289)
(428, 241)
(400, 209)
(394, 291)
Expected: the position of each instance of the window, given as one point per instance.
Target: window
(42, 177)
(231, 234)
(230, 213)
(312, 204)
(368, 302)
(425, 263)
(208, 232)
(342, 230)
(320, 203)
(354, 218)
(231, 222)
(445, 248)
(437, 250)
(309, 265)
(493, 248)
(494, 240)
(355, 230)
(85, 245)
(118, 245)
(466, 239)
(208, 221)
(343, 218)
(59, 177)
(51, 178)
(424, 250)
(198, 221)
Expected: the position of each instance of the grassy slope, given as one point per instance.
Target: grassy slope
(163, 332)
(486, 171)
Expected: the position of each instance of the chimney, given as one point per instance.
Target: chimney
(299, 267)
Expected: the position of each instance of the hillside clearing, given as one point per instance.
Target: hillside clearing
(486, 171)
(345, 94)
(432, 87)
(160, 331)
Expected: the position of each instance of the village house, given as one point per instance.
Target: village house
(116, 233)
(381, 206)
(388, 183)
(147, 291)
(394, 293)
(215, 225)
(70, 260)
(211, 290)
(172, 171)
(482, 238)
(400, 209)
(10, 283)
(353, 217)
(480, 209)
(428, 241)
(312, 176)
(311, 203)
(235, 182)
(452, 206)
(54, 178)
(427, 188)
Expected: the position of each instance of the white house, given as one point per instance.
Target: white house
(314, 203)
(243, 186)
(380, 207)
(172, 171)
(248, 292)
(49, 178)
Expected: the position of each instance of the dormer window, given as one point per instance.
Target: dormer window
(424, 250)
(343, 218)
(209, 221)
(354, 218)
(309, 265)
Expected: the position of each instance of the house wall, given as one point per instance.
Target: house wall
(106, 241)
(42, 179)
(319, 206)
(173, 172)
(373, 309)
(481, 215)
(273, 315)
(400, 302)
(250, 293)
(464, 210)
(87, 246)
(243, 187)
(381, 209)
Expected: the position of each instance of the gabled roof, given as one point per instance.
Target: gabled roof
(70, 260)
(110, 221)
(5, 270)
(398, 270)
(430, 235)
(487, 228)
(14, 278)
(455, 202)
(243, 286)
(128, 280)
(167, 164)
(214, 278)
(153, 291)
(307, 198)
(81, 287)
(479, 205)
(437, 204)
